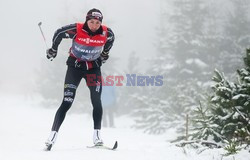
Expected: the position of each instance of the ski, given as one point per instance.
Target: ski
(105, 147)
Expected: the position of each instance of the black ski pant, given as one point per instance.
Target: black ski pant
(72, 80)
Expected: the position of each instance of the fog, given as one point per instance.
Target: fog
(182, 57)
(23, 49)
(182, 41)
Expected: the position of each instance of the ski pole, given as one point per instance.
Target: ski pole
(39, 25)
(44, 39)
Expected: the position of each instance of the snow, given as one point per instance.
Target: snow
(239, 96)
(25, 127)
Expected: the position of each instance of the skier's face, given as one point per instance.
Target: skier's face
(94, 24)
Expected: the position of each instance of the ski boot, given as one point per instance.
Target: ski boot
(97, 138)
(50, 141)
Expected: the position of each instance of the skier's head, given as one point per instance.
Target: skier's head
(94, 14)
(94, 19)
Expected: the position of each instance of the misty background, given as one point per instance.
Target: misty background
(23, 49)
(182, 40)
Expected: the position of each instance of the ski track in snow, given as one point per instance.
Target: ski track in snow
(24, 129)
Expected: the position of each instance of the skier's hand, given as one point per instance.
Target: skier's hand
(51, 53)
(104, 56)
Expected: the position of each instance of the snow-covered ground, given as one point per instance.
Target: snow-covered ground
(24, 127)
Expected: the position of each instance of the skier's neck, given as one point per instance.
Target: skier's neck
(90, 33)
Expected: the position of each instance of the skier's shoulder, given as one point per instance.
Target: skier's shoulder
(69, 29)
(111, 34)
(69, 26)
(108, 28)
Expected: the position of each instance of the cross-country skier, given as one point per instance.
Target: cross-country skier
(92, 42)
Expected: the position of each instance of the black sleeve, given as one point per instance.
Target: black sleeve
(110, 40)
(68, 31)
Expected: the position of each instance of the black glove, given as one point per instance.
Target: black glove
(104, 56)
(51, 53)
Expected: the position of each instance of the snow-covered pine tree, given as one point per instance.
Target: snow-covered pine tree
(241, 102)
(189, 48)
(222, 104)
(203, 126)
(152, 119)
(228, 110)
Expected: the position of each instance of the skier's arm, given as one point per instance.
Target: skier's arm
(68, 31)
(108, 45)
(110, 40)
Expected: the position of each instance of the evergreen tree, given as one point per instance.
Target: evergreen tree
(183, 79)
(241, 101)
(190, 47)
(229, 109)
(178, 62)
(236, 36)
(204, 128)
(152, 119)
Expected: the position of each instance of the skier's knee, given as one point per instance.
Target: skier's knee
(69, 96)
(68, 99)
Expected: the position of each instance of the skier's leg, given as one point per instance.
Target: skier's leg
(95, 95)
(72, 80)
